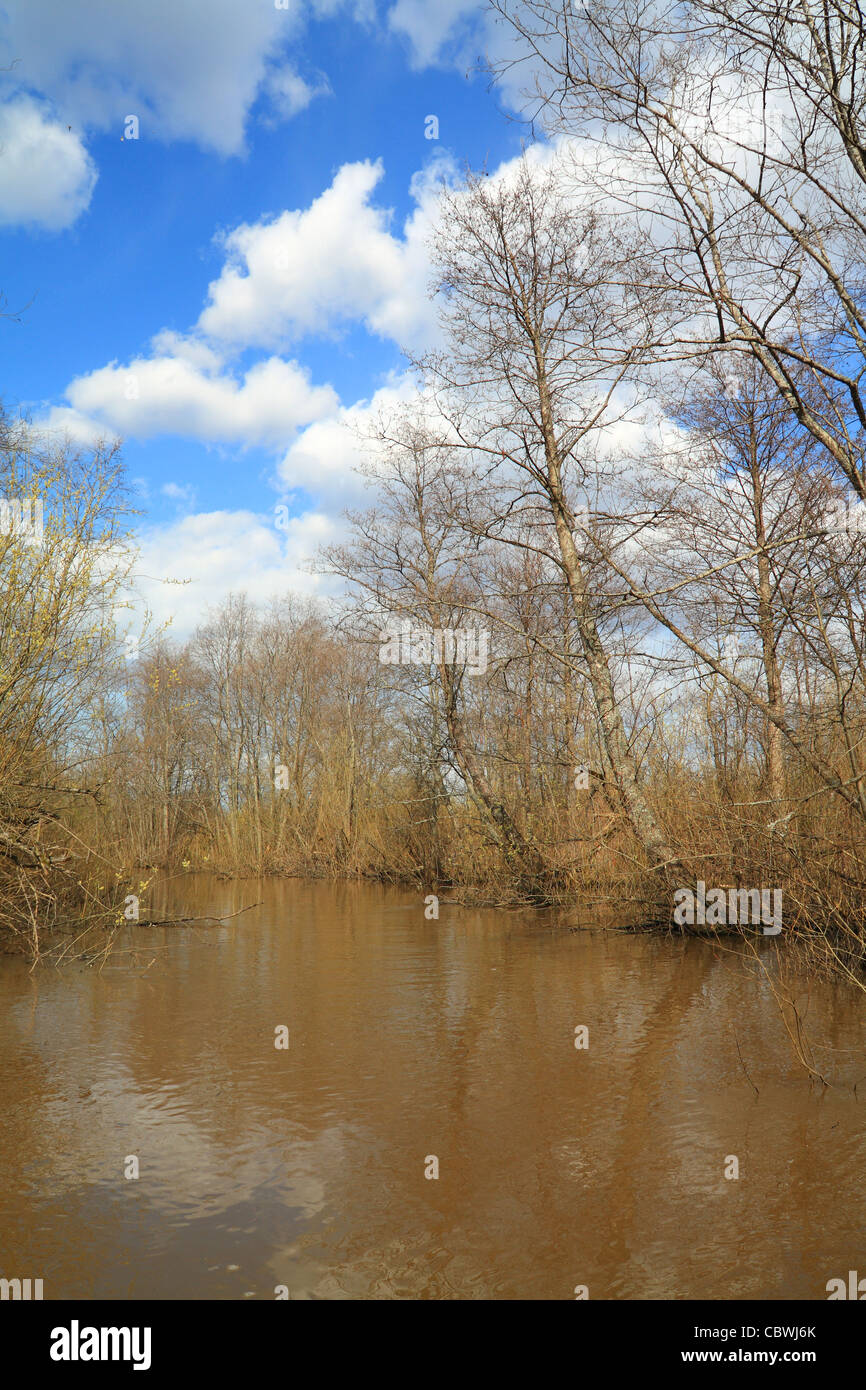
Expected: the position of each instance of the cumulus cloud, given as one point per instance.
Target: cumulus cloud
(66, 423)
(220, 552)
(336, 261)
(297, 274)
(187, 391)
(428, 28)
(187, 71)
(326, 455)
(293, 275)
(46, 175)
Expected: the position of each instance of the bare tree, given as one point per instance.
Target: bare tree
(542, 334)
(733, 135)
(411, 561)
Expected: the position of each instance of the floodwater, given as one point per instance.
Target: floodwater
(303, 1168)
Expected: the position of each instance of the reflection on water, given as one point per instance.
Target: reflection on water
(305, 1167)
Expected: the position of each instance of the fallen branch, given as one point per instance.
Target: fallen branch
(183, 921)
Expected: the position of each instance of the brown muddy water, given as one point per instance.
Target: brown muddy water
(408, 1039)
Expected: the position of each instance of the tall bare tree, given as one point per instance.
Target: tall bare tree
(542, 332)
(733, 134)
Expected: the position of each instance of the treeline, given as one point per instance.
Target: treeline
(602, 634)
(278, 740)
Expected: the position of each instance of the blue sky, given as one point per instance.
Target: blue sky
(232, 287)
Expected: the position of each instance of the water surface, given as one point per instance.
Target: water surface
(410, 1039)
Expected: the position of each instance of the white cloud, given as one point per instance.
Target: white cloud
(290, 93)
(303, 274)
(183, 493)
(335, 262)
(324, 457)
(429, 27)
(63, 421)
(187, 391)
(222, 552)
(46, 175)
(188, 71)
(294, 274)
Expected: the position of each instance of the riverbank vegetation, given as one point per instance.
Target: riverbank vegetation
(601, 630)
